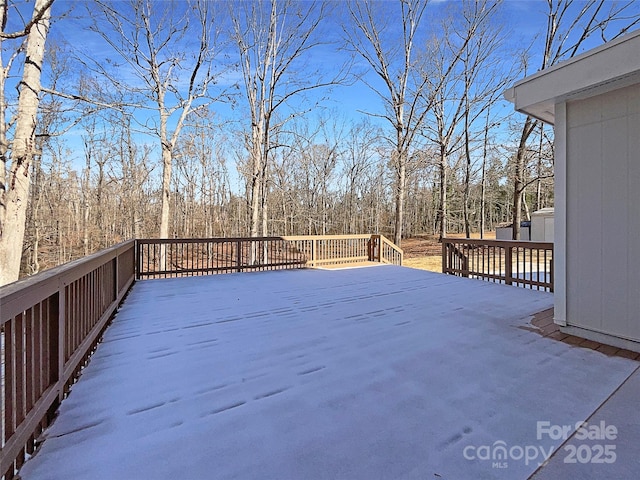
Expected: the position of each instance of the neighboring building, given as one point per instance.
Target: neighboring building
(505, 231)
(542, 225)
(593, 101)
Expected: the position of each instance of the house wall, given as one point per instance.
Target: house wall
(598, 258)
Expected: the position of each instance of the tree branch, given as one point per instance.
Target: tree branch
(37, 16)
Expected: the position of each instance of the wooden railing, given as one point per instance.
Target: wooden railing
(525, 264)
(162, 258)
(187, 257)
(332, 250)
(328, 250)
(389, 251)
(50, 324)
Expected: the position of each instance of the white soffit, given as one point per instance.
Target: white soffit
(613, 65)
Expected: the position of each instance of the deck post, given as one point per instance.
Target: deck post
(375, 248)
(508, 251)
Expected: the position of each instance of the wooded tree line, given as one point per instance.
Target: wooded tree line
(200, 119)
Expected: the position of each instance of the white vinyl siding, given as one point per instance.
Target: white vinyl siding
(603, 213)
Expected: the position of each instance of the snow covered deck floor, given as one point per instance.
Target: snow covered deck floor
(385, 372)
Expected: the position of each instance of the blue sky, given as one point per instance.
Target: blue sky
(523, 21)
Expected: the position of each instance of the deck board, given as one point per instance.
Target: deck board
(367, 373)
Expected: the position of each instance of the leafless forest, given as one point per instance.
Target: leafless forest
(205, 119)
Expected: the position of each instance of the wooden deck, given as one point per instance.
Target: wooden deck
(52, 321)
(544, 322)
(318, 374)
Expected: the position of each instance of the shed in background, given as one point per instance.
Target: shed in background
(542, 225)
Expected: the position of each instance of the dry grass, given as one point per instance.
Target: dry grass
(425, 252)
(433, 263)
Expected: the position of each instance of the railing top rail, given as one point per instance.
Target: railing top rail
(253, 239)
(208, 240)
(326, 237)
(502, 243)
(36, 288)
(391, 244)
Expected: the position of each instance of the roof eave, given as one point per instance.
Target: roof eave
(613, 65)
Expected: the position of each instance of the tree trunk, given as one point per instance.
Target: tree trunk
(526, 206)
(256, 184)
(518, 175)
(85, 204)
(166, 191)
(13, 207)
(483, 182)
(400, 193)
(166, 202)
(538, 205)
(442, 213)
(467, 172)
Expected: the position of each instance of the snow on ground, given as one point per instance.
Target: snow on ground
(384, 372)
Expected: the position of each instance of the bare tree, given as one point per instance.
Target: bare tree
(360, 150)
(52, 118)
(151, 40)
(444, 132)
(317, 146)
(485, 76)
(135, 169)
(461, 86)
(274, 38)
(201, 175)
(14, 191)
(373, 36)
(569, 24)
